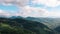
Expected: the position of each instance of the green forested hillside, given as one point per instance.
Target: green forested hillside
(22, 26)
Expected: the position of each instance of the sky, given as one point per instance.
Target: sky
(30, 8)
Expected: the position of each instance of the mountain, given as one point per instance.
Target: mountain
(23, 26)
(57, 29)
(50, 22)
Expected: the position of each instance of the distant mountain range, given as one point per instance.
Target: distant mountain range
(50, 22)
(20, 25)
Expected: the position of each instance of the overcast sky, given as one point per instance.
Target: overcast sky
(30, 8)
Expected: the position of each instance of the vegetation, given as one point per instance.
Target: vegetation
(23, 26)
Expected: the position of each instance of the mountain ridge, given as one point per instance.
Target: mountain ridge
(32, 26)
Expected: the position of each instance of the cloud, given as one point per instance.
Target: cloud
(49, 3)
(28, 11)
(32, 12)
(25, 10)
(54, 14)
(14, 2)
(4, 13)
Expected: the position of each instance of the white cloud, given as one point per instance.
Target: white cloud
(32, 12)
(14, 2)
(4, 13)
(54, 14)
(37, 12)
(49, 3)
